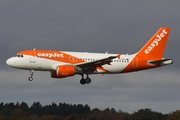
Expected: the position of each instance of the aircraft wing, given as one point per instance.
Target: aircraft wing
(91, 65)
(97, 63)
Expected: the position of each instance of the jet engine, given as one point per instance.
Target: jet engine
(63, 71)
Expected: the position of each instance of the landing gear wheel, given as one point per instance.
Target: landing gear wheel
(31, 74)
(85, 81)
(30, 78)
(88, 80)
(82, 81)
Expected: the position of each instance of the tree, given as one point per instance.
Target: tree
(87, 109)
(2, 117)
(174, 115)
(1, 106)
(24, 107)
(36, 108)
(95, 111)
(6, 112)
(147, 114)
(113, 111)
(18, 113)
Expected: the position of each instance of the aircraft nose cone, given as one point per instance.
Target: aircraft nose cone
(9, 62)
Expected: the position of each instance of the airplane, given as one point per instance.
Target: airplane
(62, 64)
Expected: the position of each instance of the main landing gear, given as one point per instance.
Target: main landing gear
(87, 80)
(31, 74)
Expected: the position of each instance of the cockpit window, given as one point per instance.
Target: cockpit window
(17, 55)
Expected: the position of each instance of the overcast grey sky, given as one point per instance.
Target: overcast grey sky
(117, 26)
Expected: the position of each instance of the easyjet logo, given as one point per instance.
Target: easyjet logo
(50, 55)
(156, 41)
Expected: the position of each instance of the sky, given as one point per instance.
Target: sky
(116, 26)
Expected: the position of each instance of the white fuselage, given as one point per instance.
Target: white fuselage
(43, 64)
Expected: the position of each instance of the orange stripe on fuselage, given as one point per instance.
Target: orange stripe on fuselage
(139, 62)
(53, 55)
(56, 56)
(102, 69)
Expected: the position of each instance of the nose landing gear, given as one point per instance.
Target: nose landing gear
(31, 74)
(87, 80)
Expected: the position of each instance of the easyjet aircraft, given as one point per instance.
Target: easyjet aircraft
(63, 64)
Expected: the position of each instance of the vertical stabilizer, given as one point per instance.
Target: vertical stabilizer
(156, 45)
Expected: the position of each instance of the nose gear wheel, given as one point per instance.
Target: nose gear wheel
(30, 78)
(31, 74)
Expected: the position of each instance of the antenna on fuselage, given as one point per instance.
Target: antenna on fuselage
(34, 49)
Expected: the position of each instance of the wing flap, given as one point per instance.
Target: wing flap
(90, 65)
(99, 62)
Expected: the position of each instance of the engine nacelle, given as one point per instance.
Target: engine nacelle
(63, 71)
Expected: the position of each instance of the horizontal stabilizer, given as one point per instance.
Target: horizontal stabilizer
(162, 62)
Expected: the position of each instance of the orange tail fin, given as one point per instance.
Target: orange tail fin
(156, 45)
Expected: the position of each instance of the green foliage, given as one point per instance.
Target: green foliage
(64, 111)
(147, 114)
(174, 115)
(36, 111)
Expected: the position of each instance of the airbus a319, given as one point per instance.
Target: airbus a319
(63, 64)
